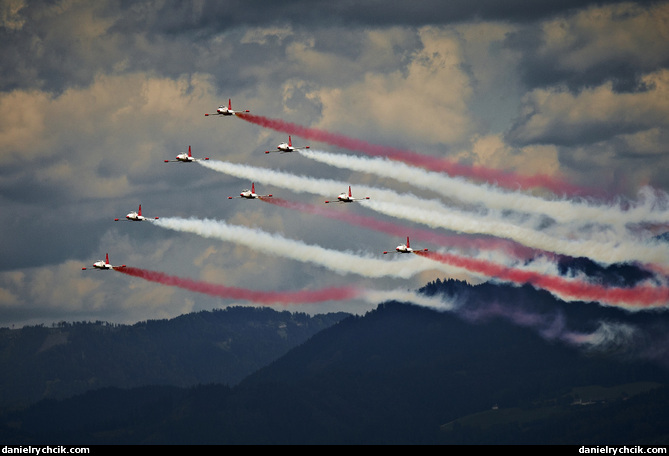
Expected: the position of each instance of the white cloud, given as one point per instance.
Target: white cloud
(97, 140)
(427, 102)
(10, 14)
(556, 115)
(622, 32)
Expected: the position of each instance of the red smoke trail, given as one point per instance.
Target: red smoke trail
(261, 297)
(639, 296)
(501, 178)
(510, 247)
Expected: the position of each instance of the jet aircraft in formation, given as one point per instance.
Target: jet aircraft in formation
(286, 147)
(344, 198)
(226, 111)
(104, 264)
(405, 248)
(250, 194)
(136, 216)
(186, 157)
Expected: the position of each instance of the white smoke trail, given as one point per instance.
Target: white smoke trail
(651, 206)
(440, 303)
(351, 263)
(608, 335)
(328, 188)
(607, 249)
(338, 261)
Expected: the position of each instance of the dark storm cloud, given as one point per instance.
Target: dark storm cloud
(52, 52)
(587, 48)
(180, 17)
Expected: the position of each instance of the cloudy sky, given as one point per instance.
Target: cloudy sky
(95, 95)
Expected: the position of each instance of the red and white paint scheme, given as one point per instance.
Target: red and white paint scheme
(104, 264)
(286, 147)
(186, 157)
(226, 111)
(344, 198)
(136, 216)
(405, 248)
(250, 194)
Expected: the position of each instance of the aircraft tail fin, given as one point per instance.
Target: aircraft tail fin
(229, 104)
(408, 241)
(139, 212)
(107, 258)
(189, 154)
(349, 191)
(290, 142)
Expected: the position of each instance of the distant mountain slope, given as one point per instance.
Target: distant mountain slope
(396, 375)
(221, 346)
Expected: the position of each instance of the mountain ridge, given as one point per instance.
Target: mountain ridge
(220, 346)
(396, 375)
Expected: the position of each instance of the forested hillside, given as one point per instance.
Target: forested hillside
(408, 375)
(220, 346)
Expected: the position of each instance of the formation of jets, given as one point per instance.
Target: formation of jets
(136, 216)
(347, 198)
(186, 157)
(286, 147)
(104, 264)
(226, 110)
(405, 248)
(250, 194)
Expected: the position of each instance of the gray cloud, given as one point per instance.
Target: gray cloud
(95, 95)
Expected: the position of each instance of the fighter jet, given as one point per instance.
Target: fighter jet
(250, 194)
(286, 147)
(344, 198)
(405, 248)
(226, 111)
(136, 216)
(104, 264)
(186, 158)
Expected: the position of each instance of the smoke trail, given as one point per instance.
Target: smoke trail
(497, 177)
(653, 206)
(605, 251)
(323, 187)
(553, 326)
(261, 297)
(435, 215)
(604, 335)
(291, 297)
(340, 262)
(439, 303)
(509, 247)
(348, 263)
(608, 335)
(633, 298)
